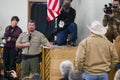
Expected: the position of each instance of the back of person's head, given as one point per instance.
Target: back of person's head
(75, 75)
(66, 67)
(36, 76)
(117, 75)
(97, 28)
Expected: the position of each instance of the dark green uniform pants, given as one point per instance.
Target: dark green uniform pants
(30, 65)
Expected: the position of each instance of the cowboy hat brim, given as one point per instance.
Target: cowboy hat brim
(101, 32)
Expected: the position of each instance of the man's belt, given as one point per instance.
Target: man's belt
(24, 56)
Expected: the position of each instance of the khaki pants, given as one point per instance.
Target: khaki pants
(111, 34)
(30, 65)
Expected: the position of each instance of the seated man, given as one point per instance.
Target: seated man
(66, 25)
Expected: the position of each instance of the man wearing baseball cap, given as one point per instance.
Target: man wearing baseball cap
(96, 56)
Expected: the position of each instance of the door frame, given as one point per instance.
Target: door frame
(30, 2)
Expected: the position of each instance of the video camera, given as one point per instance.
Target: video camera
(108, 9)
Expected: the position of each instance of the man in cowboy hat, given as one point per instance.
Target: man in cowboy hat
(95, 55)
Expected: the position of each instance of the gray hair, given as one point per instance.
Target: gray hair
(36, 76)
(117, 75)
(66, 67)
(75, 75)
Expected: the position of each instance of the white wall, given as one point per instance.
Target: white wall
(87, 11)
(9, 8)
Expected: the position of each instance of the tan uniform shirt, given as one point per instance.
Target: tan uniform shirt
(96, 55)
(36, 40)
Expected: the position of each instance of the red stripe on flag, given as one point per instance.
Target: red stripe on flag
(51, 13)
(55, 4)
(53, 9)
(49, 2)
(48, 19)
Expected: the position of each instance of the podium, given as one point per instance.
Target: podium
(51, 60)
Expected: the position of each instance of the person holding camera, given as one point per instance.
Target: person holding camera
(9, 52)
(66, 25)
(112, 20)
(11, 73)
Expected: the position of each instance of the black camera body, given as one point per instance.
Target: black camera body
(109, 8)
(8, 73)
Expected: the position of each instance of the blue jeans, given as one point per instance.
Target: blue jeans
(118, 66)
(62, 35)
(87, 76)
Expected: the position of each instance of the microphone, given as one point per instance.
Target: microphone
(29, 38)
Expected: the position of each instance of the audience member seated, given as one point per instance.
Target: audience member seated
(65, 68)
(75, 75)
(117, 75)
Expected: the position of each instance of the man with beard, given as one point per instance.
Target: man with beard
(30, 43)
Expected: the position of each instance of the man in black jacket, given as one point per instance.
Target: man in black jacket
(66, 25)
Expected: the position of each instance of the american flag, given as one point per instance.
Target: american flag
(53, 9)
